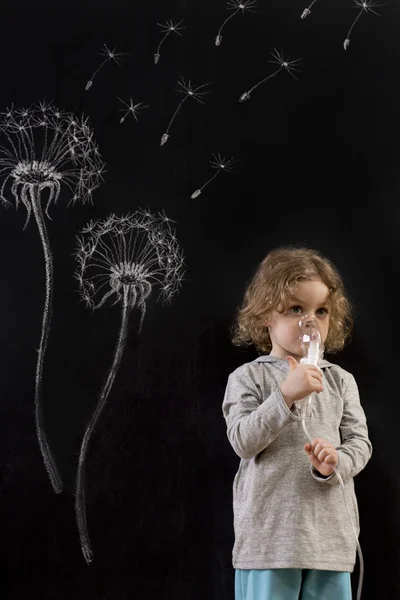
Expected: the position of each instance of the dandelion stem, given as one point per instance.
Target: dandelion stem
(198, 192)
(80, 507)
(47, 312)
(219, 34)
(264, 80)
(175, 113)
(160, 44)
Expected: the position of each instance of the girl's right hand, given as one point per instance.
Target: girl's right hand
(302, 380)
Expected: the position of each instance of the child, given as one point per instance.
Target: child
(293, 534)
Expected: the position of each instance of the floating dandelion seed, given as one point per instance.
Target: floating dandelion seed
(189, 93)
(236, 6)
(307, 10)
(122, 259)
(110, 56)
(219, 163)
(46, 148)
(289, 65)
(364, 6)
(134, 109)
(167, 28)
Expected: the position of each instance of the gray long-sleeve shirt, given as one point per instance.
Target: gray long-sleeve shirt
(287, 515)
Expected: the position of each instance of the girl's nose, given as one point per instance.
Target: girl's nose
(308, 319)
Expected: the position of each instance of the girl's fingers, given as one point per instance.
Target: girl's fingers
(320, 444)
(324, 468)
(315, 461)
(323, 454)
(322, 451)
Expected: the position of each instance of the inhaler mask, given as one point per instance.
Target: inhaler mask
(313, 350)
(311, 341)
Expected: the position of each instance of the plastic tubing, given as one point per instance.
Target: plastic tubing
(302, 409)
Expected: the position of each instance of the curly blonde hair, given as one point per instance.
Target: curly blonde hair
(275, 281)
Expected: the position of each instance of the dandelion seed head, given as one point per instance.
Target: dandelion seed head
(242, 5)
(46, 147)
(35, 172)
(289, 65)
(367, 6)
(165, 219)
(169, 26)
(219, 162)
(124, 258)
(43, 107)
(132, 108)
(110, 54)
(193, 92)
(127, 274)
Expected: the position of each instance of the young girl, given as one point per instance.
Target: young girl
(293, 534)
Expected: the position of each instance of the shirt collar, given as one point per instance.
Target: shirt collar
(282, 361)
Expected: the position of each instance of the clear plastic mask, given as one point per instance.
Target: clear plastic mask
(310, 338)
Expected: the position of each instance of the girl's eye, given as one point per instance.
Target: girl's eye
(293, 308)
(296, 313)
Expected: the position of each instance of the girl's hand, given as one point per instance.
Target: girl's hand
(302, 380)
(322, 455)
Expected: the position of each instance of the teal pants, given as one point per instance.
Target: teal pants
(292, 584)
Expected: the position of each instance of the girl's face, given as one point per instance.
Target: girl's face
(310, 297)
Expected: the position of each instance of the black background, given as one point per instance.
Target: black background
(317, 165)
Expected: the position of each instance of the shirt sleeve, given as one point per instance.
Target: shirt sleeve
(356, 449)
(253, 422)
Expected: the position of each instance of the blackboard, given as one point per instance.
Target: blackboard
(213, 132)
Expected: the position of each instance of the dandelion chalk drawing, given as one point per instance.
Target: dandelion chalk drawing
(131, 109)
(167, 28)
(307, 10)
(288, 65)
(121, 259)
(364, 6)
(236, 6)
(110, 55)
(219, 163)
(189, 92)
(46, 148)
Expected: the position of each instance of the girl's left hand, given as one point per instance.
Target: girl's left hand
(322, 455)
